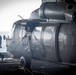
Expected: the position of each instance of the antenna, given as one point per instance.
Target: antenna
(21, 17)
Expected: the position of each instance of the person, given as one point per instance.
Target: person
(4, 37)
(2, 56)
(0, 41)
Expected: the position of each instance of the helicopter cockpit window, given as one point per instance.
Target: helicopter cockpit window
(11, 34)
(48, 36)
(37, 35)
(22, 36)
(22, 32)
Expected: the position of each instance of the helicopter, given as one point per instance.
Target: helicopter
(48, 36)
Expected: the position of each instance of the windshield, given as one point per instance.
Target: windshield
(12, 31)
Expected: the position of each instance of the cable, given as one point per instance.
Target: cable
(29, 71)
